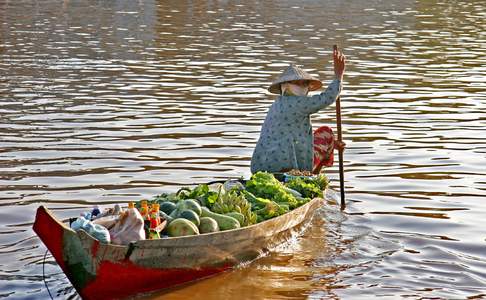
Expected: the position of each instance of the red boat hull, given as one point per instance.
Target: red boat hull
(106, 271)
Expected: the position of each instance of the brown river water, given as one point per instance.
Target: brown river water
(106, 102)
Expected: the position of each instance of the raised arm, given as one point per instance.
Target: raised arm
(315, 103)
(310, 105)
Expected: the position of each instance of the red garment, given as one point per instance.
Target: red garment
(323, 148)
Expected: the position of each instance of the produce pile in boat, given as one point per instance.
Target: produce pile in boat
(203, 209)
(218, 207)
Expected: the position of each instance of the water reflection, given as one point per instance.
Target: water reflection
(112, 102)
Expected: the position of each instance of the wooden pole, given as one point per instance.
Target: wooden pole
(341, 152)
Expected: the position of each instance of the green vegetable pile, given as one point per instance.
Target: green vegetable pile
(265, 185)
(309, 187)
(262, 197)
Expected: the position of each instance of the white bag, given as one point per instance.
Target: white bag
(128, 228)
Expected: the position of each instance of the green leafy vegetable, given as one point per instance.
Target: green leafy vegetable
(309, 187)
(201, 192)
(272, 209)
(265, 185)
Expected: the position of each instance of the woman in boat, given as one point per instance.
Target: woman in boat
(286, 140)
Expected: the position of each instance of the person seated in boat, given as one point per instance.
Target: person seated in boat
(286, 139)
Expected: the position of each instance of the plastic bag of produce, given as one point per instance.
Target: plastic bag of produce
(97, 231)
(128, 228)
(80, 223)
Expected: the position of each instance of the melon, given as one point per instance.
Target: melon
(167, 207)
(192, 205)
(182, 227)
(224, 222)
(190, 215)
(238, 216)
(208, 225)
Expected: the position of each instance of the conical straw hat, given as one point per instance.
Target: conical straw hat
(294, 73)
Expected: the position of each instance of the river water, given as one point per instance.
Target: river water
(107, 102)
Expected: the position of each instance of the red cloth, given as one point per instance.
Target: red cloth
(323, 148)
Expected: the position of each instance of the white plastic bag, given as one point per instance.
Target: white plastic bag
(128, 228)
(97, 231)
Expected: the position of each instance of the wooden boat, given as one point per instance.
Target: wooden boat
(107, 271)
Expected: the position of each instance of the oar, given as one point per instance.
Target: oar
(341, 151)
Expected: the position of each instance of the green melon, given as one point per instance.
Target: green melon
(238, 216)
(182, 227)
(190, 215)
(224, 222)
(208, 225)
(167, 207)
(192, 205)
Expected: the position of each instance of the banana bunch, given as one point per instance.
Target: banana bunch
(233, 201)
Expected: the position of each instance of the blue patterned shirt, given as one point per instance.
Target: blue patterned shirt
(286, 139)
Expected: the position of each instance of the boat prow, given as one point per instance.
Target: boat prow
(107, 271)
